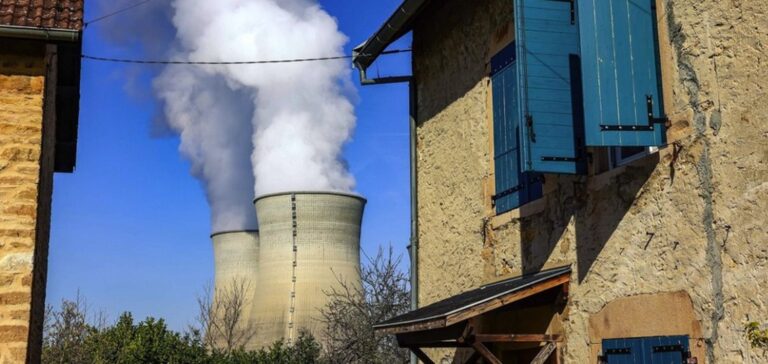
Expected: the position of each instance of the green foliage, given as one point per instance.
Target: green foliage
(149, 341)
(67, 334)
(756, 336)
(70, 339)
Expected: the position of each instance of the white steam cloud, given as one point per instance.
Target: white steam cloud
(258, 129)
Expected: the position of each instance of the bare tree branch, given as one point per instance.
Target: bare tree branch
(353, 309)
(221, 316)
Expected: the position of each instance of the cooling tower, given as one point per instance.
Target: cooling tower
(308, 240)
(236, 258)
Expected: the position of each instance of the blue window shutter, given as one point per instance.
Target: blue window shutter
(548, 67)
(656, 349)
(620, 73)
(514, 188)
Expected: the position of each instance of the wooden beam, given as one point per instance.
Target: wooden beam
(479, 309)
(439, 344)
(517, 338)
(485, 353)
(544, 353)
(418, 326)
(421, 355)
(473, 359)
(507, 299)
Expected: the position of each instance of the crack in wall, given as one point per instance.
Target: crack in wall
(691, 83)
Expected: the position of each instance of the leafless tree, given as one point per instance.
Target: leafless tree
(66, 331)
(353, 310)
(222, 313)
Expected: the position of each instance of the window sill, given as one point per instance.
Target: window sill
(529, 209)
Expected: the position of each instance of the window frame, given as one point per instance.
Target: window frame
(616, 160)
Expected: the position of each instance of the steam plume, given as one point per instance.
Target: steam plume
(291, 119)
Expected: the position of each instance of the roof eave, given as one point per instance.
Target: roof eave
(395, 27)
(559, 277)
(50, 34)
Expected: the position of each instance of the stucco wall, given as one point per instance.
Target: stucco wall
(691, 218)
(26, 173)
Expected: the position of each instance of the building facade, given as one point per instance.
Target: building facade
(39, 94)
(664, 229)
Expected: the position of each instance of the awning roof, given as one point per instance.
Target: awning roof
(399, 23)
(476, 302)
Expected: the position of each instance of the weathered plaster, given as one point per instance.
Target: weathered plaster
(691, 218)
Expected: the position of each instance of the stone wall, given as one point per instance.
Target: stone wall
(691, 218)
(26, 173)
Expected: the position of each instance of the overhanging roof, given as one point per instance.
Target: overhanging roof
(399, 23)
(476, 302)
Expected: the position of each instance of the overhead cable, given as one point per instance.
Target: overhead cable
(122, 10)
(172, 62)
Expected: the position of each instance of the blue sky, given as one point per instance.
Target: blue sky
(130, 228)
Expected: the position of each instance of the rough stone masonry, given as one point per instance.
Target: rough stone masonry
(26, 173)
(684, 229)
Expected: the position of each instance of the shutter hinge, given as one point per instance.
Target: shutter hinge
(529, 125)
(618, 351)
(573, 12)
(652, 121)
(668, 348)
(506, 192)
(559, 159)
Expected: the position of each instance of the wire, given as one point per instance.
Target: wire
(108, 15)
(169, 62)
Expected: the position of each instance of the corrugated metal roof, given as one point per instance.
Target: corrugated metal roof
(399, 23)
(471, 299)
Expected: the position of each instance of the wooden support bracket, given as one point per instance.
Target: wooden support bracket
(516, 338)
(473, 358)
(544, 353)
(485, 353)
(421, 355)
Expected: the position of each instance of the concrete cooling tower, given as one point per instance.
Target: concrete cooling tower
(307, 241)
(236, 257)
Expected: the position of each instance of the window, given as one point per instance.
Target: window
(657, 349)
(579, 74)
(620, 73)
(514, 187)
(620, 156)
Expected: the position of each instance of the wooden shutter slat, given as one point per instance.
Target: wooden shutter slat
(619, 57)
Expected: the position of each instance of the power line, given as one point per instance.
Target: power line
(108, 15)
(169, 62)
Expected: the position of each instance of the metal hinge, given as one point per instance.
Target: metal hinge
(529, 125)
(559, 159)
(652, 121)
(668, 348)
(506, 192)
(618, 351)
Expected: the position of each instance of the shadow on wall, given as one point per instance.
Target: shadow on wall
(435, 51)
(597, 210)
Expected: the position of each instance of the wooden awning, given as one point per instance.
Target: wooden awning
(450, 322)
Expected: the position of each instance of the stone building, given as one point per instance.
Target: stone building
(603, 161)
(39, 99)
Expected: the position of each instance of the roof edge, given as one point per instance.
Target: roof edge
(398, 24)
(449, 318)
(39, 33)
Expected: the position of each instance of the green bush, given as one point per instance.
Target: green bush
(70, 339)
